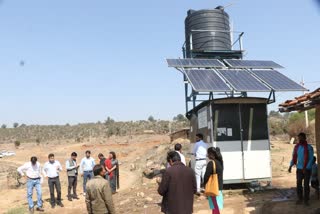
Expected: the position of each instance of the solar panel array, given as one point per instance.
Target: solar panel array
(277, 81)
(206, 80)
(242, 75)
(195, 63)
(242, 80)
(254, 64)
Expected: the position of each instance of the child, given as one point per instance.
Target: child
(314, 176)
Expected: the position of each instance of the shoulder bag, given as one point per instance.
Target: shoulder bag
(212, 186)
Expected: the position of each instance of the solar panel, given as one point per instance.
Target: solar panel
(277, 81)
(195, 63)
(255, 64)
(206, 81)
(242, 80)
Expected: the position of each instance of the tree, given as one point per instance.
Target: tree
(109, 121)
(38, 141)
(151, 118)
(17, 143)
(4, 126)
(295, 117)
(110, 131)
(180, 118)
(274, 114)
(312, 114)
(15, 125)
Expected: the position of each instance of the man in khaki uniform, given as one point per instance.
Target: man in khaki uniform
(99, 196)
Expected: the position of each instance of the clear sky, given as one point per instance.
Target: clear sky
(86, 60)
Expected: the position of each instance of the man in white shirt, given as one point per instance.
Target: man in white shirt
(32, 170)
(51, 170)
(86, 167)
(200, 153)
(178, 149)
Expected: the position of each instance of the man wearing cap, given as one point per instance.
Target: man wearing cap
(302, 158)
(32, 170)
(200, 153)
(86, 167)
(72, 171)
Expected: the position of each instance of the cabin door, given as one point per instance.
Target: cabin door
(255, 141)
(227, 136)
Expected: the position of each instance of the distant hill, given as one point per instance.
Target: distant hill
(77, 133)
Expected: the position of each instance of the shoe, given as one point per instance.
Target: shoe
(198, 194)
(60, 204)
(298, 202)
(31, 210)
(84, 194)
(40, 209)
(69, 199)
(306, 203)
(76, 197)
(53, 206)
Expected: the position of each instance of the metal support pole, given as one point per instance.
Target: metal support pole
(240, 41)
(194, 97)
(191, 45)
(305, 112)
(186, 91)
(184, 52)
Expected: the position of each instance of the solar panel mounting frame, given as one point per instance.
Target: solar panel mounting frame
(234, 63)
(195, 63)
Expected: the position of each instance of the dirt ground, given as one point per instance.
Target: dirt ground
(138, 195)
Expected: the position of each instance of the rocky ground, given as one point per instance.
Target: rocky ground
(139, 156)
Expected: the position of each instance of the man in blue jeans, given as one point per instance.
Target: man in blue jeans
(86, 167)
(32, 170)
(302, 158)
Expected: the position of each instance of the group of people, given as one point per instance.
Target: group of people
(102, 177)
(180, 183)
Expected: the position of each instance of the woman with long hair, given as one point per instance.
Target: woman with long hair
(112, 167)
(215, 202)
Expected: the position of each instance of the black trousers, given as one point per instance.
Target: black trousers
(54, 183)
(72, 184)
(305, 177)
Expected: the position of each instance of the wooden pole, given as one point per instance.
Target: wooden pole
(317, 132)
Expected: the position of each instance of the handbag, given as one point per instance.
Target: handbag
(212, 186)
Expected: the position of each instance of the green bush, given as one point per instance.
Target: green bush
(17, 143)
(277, 126)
